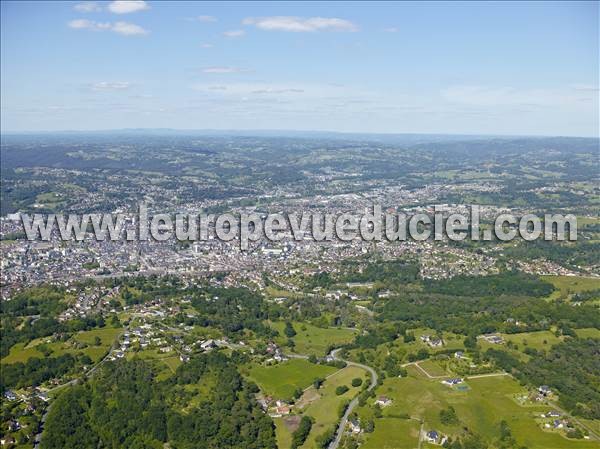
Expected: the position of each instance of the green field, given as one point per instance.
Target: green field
(282, 433)
(400, 349)
(568, 285)
(394, 433)
(536, 340)
(588, 333)
(433, 368)
(325, 409)
(310, 339)
(281, 380)
(480, 408)
(22, 352)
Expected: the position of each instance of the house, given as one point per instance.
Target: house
(354, 425)
(436, 342)
(558, 424)
(208, 344)
(545, 390)
(453, 382)
(281, 409)
(553, 414)
(7, 441)
(184, 358)
(459, 355)
(432, 436)
(10, 395)
(495, 339)
(383, 401)
(271, 348)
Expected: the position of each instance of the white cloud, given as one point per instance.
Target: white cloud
(128, 29)
(110, 86)
(257, 91)
(123, 28)
(84, 24)
(391, 30)
(300, 24)
(204, 19)
(87, 7)
(206, 45)
(234, 33)
(271, 90)
(224, 70)
(127, 6)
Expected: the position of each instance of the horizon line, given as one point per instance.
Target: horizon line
(295, 131)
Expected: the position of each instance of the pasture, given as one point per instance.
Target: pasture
(281, 380)
(481, 408)
(324, 409)
(315, 340)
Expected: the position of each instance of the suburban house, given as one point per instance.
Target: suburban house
(495, 339)
(354, 425)
(432, 436)
(383, 401)
(452, 382)
(434, 342)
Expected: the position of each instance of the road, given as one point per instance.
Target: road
(590, 430)
(344, 421)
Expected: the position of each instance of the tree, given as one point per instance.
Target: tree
(369, 426)
(289, 330)
(448, 416)
(470, 342)
(341, 390)
(318, 382)
(357, 382)
(301, 433)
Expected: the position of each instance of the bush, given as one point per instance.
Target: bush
(357, 382)
(341, 390)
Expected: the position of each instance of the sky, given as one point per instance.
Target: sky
(513, 68)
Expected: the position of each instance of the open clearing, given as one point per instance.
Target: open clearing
(568, 285)
(486, 402)
(310, 339)
(325, 409)
(394, 433)
(281, 380)
(21, 352)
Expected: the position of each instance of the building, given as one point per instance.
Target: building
(453, 382)
(383, 401)
(354, 425)
(432, 436)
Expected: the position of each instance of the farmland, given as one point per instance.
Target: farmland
(311, 339)
(283, 379)
(481, 407)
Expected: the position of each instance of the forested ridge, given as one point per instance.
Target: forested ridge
(125, 406)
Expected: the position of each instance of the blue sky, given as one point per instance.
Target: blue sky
(475, 68)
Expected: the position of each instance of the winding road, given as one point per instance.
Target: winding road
(344, 421)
